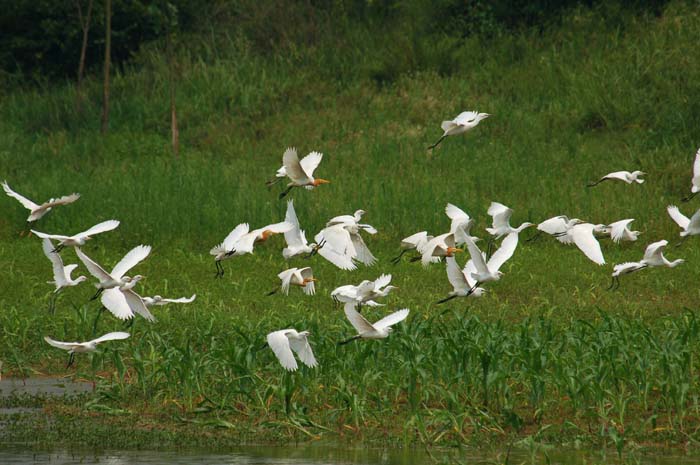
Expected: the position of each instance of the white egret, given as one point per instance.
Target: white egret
(117, 291)
(83, 347)
(557, 226)
(352, 222)
(295, 237)
(690, 226)
(624, 268)
(284, 341)
(464, 122)
(626, 176)
(37, 211)
(61, 274)
(81, 238)
(366, 330)
(654, 256)
(299, 175)
(302, 277)
(489, 271)
(583, 236)
(463, 284)
(440, 246)
(335, 245)
(157, 300)
(345, 240)
(695, 182)
(500, 215)
(620, 231)
(416, 242)
(240, 241)
(308, 164)
(365, 293)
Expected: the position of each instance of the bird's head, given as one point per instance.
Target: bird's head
(526, 225)
(478, 292)
(676, 262)
(638, 173)
(358, 214)
(390, 288)
(499, 274)
(320, 181)
(389, 329)
(483, 116)
(136, 278)
(157, 298)
(305, 333)
(80, 279)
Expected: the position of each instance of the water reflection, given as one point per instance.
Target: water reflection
(324, 456)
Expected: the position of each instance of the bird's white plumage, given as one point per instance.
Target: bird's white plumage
(82, 237)
(583, 237)
(619, 231)
(130, 260)
(696, 173)
(96, 270)
(284, 341)
(676, 215)
(88, 346)
(38, 211)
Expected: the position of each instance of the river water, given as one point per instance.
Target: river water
(317, 455)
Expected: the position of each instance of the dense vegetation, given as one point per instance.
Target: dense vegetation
(548, 354)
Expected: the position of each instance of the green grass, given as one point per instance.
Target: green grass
(548, 354)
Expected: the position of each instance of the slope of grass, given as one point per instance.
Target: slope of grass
(548, 353)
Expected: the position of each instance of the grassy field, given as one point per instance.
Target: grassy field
(548, 356)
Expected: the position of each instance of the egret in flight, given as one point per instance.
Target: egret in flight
(299, 175)
(440, 246)
(37, 211)
(464, 122)
(463, 284)
(83, 347)
(365, 293)
(308, 164)
(295, 237)
(583, 235)
(690, 226)
(624, 268)
(626, 176)
(366, 330)
(695, 182)
(240, 241)
(654, 256)
(61, 273)
(557, 226)
(302, 277)
(490, 271)
(78, 240)
(345, 239)
(620, 231)
(287, 341)
(416, 242)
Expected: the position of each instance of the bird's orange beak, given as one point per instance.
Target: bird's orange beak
(321, 181)
(453, 250)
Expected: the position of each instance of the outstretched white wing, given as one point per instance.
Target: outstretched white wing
(477, 258)
(457, 215)
(504, 252)
(466, 117)
(391, 320)
(382, 281)
(556, 225)
(310, 162)
(114, 336)
(358, 322)
(65, 200)
(294, 237)
(114, 301)
(654, 250)
(100, 228)
(26, 203)
(500, 213)
(63, 345)
(307, 273)
(584, 239)
(415, 239)
(94, 269)
(621, 175)
(303, 349)
(59, 275)
(342, 261)
(286, 278)
(338, 238)
(279, 343)
(130, 260)
(362, 252)
(676, 215)
(455, 276)
(696, 173)
(234, 236)
(137, 305)
(617, 229)
(181, 300)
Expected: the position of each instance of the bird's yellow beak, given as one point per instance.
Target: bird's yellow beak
(322, 181)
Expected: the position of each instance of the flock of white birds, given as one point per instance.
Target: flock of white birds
(342, 244)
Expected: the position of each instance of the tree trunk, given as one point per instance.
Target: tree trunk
(108, 47)
(175, 133)
(85, 25)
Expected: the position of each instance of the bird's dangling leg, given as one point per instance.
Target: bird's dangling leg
(284, 193)
(71, 359)
(593, 184)
(397, 259)
(52, 302)
(689, 198)
(446, 299)
(272, 292)
(438, 142)
(415, 259)
(97, 294)
(471, 291)
(272, 182)
(489, 248)
(612, 284)
(58, 248)
(354, 338)
(682, 241)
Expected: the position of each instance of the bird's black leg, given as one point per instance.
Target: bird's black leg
(284, 193)
(354, 338)
(415, 259)
(690, 197)
(71, 359)
(58, 248)
(437, 143)
(272, 182)
(272, 292)
(471, 291)
(97, 294)
(446, 299)
(593, 184)
(52, 302)
(612, 284)
(397, 259)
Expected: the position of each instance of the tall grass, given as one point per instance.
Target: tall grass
(548, 346)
